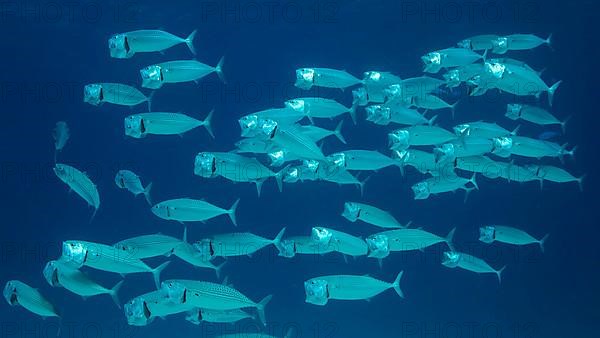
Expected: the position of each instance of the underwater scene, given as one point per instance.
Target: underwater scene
(300, 168)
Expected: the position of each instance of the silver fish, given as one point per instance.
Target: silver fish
(509, 235)
(196, 316)
(143, 309)
(533, 114)
(61, 135)
(141, 125)
(324, 77)
(361, 160)
(125, 45)
(380, 244)
(342, 242)
(438, 185)
(191, 210)
(115, 93)
(80, 183)
(147, 246)
(235, 244)
(154, 76)
(448, 58)
(554, 174)
(347, 287)
(319, 107)
(453, 259)
(126, 179)
(354, 211)
(18, 293)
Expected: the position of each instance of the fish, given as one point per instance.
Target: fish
(422, 161)
(126, 179)
(454, 77)
(141, 125)
(318, 107)
(293, 140)
(79, 182)
(438, 185)
(304, 245)
(432, 102)
(533, 114)
(18, 293)
(154, 76)
(421, 135)
(143, 309)
(375, 83)
(479, 42)
(526, 41)
(361, 160)
(254, 145)
(448, 58)
(57, 273)
(115, 93)
(354, 211)
(465, 147)
(341, 241)
(211, 296)
(197, 315)
(287, 115)
(454, 259)
(106, 258)
(236, 168)
(188, 253)
(509, 235)
(531, 147)
(146, 246)
(125, 45)
(317, 134)
(482, 129)
(306, 78)
(320, 290)
(191, 210)
(235, 244)
(380, 244)
(61, 135)
(554, 174)
(386, 114)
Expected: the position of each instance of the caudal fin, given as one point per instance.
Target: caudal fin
(352, 112)
(277, 239)
(189, 41)
(551, 92)
(260, 308)
(147, 193)
(563, 124)
(543, 241)
(450, 239)
(207, 123)
(580, 182)
(279, 177)
(218, 271)
(219, 70)
(231, 212)
(338, 132)
(499, 274)
(114, 293)
(432, 120)
(396, 284)
(473, 181)
(156, 273)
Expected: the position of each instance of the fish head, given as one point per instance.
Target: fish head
(174, 291)
(311, 166)
(277, 157)
(119, 47)
(536, 170)
(74, 253)
(432, 59)
(162, 210)
(321, 235)
(317, 291)
(292, 174)
(450, 259)
(462, 130)
(360, 96)
(466, 43)
(287, 248)
(378, 246)
(399, 139)
(421, 190)
(305, 78)
(403, 156)
(351, 211)
(502, 146)
(337, 160)
(249, 125)
(204, 248)
(10, 293)
(267, 128)
(487, 233)
(494, 69)
(500, 45)
(137, 312)
(120, 179)
(64, 172)
(134, 126)
(378, 114)
(92, 94)
(50, 273)
(393, 91)
(513, 110)
(152, 77)
(194, 316)
(298, 105)
(445, 153)
(452, 77)
(205, 164)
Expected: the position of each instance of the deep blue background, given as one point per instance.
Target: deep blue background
(49, 53)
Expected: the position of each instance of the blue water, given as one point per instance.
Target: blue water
(51, 49)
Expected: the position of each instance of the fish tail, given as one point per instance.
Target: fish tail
(352, 113)
(362, 185)
(232, 210)
(499, 274)
(432, 120)
(279, 177)
(114, 293)
(548, 41)
(149, 99)
(277, 239)
(218, 272)
(580, 181)
(219, 70)
(260, 308)
(467, 193)
(147, 193)
(551, 92)
(453, 108)
(515, 131)
(472, 180)
(543, 241)
(563, 124)
(338, 132)
(259, 184)
(396, 284)
(189, 41)
(450, 239)
(156, 273)
(207, 123)
(93, 215)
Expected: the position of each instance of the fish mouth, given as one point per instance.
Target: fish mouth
(147, 312)
(13, 299)
(142, 128)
